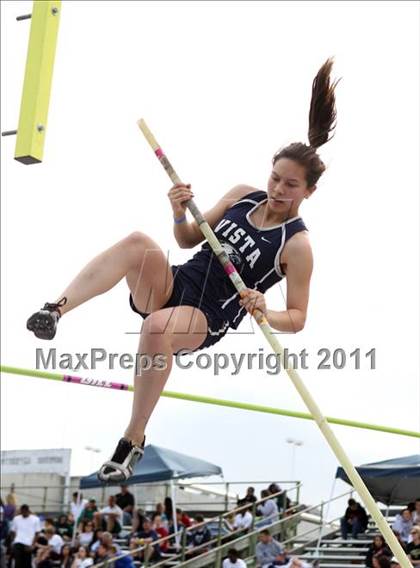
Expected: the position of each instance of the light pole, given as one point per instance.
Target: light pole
(295, 443)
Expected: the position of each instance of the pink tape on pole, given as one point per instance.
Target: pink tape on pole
(159, 152)
(95, 382)
(71, 379)
(229, 268)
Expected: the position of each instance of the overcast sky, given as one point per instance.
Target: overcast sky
(222, 85)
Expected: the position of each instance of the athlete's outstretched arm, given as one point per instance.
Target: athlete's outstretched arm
(299, 262)
(298, 258)
(188, 235)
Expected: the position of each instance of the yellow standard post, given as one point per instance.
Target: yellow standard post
(37, 82)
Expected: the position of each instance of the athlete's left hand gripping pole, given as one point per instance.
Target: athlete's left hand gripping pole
(319, 418)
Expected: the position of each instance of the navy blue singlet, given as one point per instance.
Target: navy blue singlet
(254, 252)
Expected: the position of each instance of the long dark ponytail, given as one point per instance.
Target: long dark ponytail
(322, 123)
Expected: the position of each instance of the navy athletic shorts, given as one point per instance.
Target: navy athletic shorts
(186, 293)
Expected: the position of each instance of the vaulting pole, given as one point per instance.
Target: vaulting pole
(313, 408)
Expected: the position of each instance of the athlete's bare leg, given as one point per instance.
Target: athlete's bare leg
(164, 332)
(136, 257)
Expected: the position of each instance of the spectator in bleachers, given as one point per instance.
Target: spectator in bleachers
(160, 511)
(267, 510)
(376, 549)
(3, 554)
(182, 518)
(199, 536)
(110, 517)
(233, 560)
(40, 540)
(64, 528)
(413, 548)
(179, 526)
(86, 535)
(355, 520)
(71, 521)
(147, 536)
(168, 508)
(283, 502)
(24, 531)
(250, 497)
(403, 524)
(96, 540)
(48, 548)
(138, 519)
(161, 530)
(416, 512)
(124, 562)
(102, 553)
(48, 524)
(296, 562)
(42, 552)
(269, 551)
(66, 556)
(107, 540)
(103, 538)
(54, 540)
(171, 530)
(125, 500)
(9, 508)
(381, 562)
(230, 520)
(77, 505)
(4, 530)
(82, 559)
(133, 545)
(88, 511)
(243, 520)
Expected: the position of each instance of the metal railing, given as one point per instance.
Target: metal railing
(50, 498)
(283, 527)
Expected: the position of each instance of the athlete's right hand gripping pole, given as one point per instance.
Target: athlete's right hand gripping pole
(239, 284)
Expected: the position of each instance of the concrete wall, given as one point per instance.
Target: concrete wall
(41, 491)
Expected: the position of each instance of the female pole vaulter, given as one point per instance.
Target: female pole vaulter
(192, 306)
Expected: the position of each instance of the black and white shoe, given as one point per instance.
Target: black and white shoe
(44, 322)
(120, 467)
